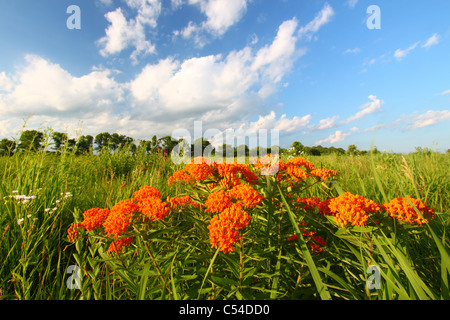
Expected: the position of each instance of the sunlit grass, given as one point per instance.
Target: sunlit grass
(42, 194)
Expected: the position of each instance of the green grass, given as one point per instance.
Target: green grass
(173, 259)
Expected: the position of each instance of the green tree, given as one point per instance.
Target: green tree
(297, 148)
(352, 149)
(241, 150)
(31, 140)
(84, 144)
(102, 141)
(7, 147)
(166, 144)
(59, 140)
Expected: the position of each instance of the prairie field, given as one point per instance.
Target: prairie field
(199, 231)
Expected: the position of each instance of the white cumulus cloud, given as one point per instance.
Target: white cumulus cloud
(322, 18)
(338, 136)
(400, 54)
(123, 33)
(433, 40)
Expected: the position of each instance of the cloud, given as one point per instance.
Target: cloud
(123, 33)
(222, 90)
(220, 16)
(352, 51)
(322, 18)
(106, 2)
(445, 92)
(366, 109)
(275, 60)
(6, 84)
(429, 118)
(324, 124)
(374, 128)
(266, 126)
(216, 83)
(338, 136)
(352, 3)
(433, 40)
(400, 54)
(176, 4)
(44, 88)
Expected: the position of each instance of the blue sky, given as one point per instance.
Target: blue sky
(313, 70)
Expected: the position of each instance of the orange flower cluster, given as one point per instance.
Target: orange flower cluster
(310, 203)
(94, 218)
(177, 202)
(248, 196)
(199, 171)
(296, 173)
(218, 201)
(146, 203)
(232, 173)
(226, 174)
(352, 209)
(294, 170)
(224, 227)
(117, 245)
(401, 209)
(323, 174)
(73, 232)
(120, 218)
(154, 208)
(146, 192)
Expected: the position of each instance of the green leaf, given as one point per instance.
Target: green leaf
(143, 282)
(321, 288)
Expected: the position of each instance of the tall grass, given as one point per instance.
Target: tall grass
(173, 261)
(41, 194)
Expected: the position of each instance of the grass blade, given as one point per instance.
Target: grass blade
(321, 288)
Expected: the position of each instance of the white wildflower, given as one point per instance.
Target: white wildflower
(19, 221)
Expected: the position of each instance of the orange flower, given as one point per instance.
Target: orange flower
(73, 232)
(300, 162)
(233, 172)
(224, 228)
(311, 203)
(154, 208)
(180, 175)
(218, 201)
(199, 171)
(297, 173)
(146, 192)
(176, 202)
(401, 209)
(120, 217)
(323, 174)
(248, 196)
(324, 207)
(352, 209)
(317, 243)
(94, 218)
(117, 245)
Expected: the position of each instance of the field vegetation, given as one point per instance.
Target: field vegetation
(137, 226)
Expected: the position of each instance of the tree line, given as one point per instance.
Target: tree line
(58, 142)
